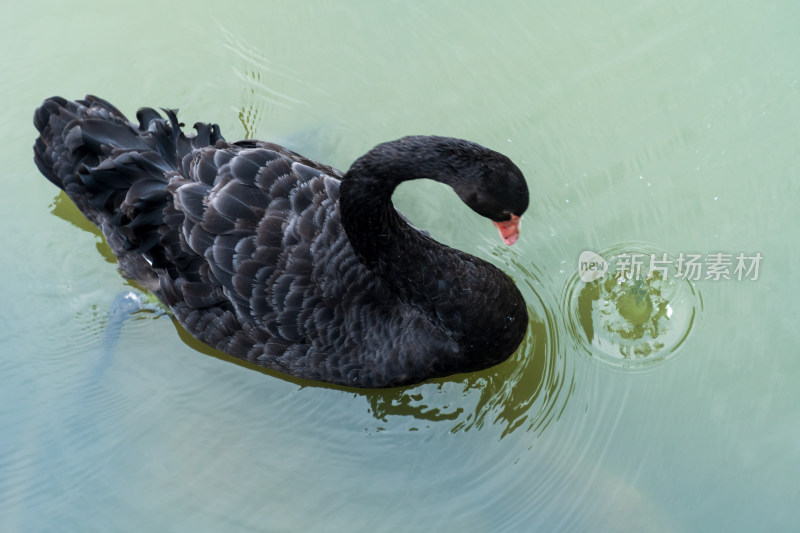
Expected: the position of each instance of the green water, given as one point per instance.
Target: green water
(670, 123)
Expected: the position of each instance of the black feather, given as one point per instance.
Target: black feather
(285, 262)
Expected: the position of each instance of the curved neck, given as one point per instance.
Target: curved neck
(471, 298)
(466, 300)
(377, 232)
(379, 235)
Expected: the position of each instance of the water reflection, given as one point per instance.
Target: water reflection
(63, 208)
(527, 391)
(254, 69)
(248, 117)
(522, 392)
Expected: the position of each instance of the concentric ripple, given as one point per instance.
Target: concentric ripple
(526, 392)
(630, 306)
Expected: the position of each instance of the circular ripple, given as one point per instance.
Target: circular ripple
(638, 311)
(527, 392)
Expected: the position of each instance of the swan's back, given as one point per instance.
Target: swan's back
(243, 241)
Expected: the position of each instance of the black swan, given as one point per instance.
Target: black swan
(287, 263)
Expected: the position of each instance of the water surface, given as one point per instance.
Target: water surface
(674, 124)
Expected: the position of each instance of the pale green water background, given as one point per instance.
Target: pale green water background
(674, 123)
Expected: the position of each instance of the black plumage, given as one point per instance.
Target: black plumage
(287, 263)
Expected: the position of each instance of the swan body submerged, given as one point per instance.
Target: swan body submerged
(287, 263)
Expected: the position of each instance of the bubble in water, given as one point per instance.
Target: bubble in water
(635, 315)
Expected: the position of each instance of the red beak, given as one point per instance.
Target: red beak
(509, 230)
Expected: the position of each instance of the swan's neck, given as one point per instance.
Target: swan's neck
(381, 238)
(378, 234)
(466, 295)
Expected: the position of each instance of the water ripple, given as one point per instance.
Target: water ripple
(631, 317)
(526, 392)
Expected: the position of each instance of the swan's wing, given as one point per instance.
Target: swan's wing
(292, 156)
(243, 241)
(279, 283)
(260, 221)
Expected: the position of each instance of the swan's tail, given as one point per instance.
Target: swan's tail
(115, 171)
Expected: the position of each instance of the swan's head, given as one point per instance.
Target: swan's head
(490, 184)
(502, 198)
